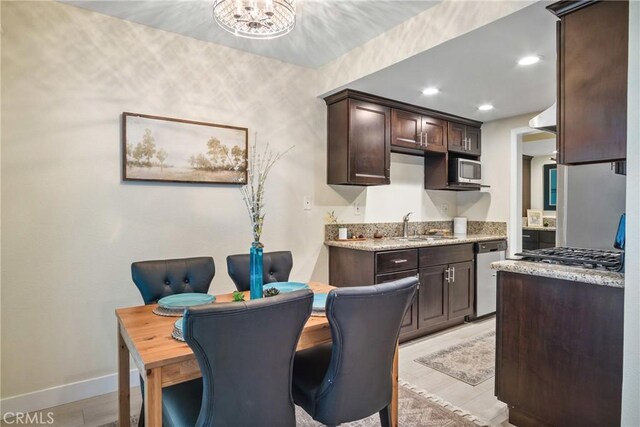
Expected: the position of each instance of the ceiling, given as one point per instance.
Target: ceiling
(325, 29)
(479, 67)
(476, 68)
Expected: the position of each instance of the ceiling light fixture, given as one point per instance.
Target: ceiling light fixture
(430, 91)
(529, 60)
(485, 107)
(255, 19)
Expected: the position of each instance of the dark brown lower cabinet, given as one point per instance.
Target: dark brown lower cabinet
(446, 273)
(559, 351)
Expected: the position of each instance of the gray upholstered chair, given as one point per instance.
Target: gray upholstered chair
(245, 351)
(276, 268)
(350, 378)
(160, 278)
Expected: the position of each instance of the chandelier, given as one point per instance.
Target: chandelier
(255, 19)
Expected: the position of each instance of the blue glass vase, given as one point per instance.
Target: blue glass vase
(255, 272)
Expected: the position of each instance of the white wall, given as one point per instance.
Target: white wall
(537, 183)
(631, 363)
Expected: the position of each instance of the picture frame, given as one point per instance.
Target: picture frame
(534, 218)
(550, 186)
(165, 149)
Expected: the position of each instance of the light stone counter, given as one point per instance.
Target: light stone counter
(562, 272)
(539, 228)
(390, 243)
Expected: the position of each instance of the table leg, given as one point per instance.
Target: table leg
(394, 392)
(124, 397)
(153, 398)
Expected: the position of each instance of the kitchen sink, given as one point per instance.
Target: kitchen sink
(424, 238)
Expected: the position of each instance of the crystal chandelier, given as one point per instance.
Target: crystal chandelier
(255, 19)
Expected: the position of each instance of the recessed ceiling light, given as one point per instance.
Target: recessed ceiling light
(485, 107)
(529, 60)
(430, 91)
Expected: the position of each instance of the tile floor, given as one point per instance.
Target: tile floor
(478, 400)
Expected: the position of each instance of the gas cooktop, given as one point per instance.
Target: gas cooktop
(600, 259)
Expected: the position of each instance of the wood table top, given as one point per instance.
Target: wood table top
(148, 335)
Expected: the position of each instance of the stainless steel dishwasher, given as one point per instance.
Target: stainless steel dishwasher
(486, 278)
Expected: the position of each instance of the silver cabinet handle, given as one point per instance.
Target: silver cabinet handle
(399, 261)
(447, 275)
(420, 139)
(453, 274)
(426, 139)
(526, 235)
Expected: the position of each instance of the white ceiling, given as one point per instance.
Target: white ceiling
(479, 67)
(543, 147)
(325, 29)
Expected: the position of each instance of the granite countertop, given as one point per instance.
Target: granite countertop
(563, 272)
(539, 228)
(388, 243)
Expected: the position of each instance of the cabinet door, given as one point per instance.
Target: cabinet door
(410, 321)
(461, 289)
(433, 297)
(406, 129)
(434, 134)
(473, 141)
(592, 83)
(369, 150)
(529, 240)
(456, 137)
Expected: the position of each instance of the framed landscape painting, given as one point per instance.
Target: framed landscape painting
(174, 150)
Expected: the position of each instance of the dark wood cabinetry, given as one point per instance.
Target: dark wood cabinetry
(538, 239)
(363, 130)
(414, 133)
(463, 139)
(446, 273)
(358, 146)
(592, 80)
(559, 351)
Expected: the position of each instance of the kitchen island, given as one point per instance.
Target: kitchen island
(559, 344)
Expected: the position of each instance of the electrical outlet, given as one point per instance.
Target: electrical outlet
(307, 203)
(444, 208)
(356, 208)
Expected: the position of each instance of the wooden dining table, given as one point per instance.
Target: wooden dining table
(163, 361)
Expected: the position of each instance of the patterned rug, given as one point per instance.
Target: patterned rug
(472, 361)
(416, 408)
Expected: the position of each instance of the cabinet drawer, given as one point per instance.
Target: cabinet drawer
(547, 237)
(529, 236)
(388, 262)
(445, 254)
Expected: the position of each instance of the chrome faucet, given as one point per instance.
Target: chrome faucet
(405, 225)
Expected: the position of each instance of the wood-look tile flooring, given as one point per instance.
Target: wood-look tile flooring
(478, 400)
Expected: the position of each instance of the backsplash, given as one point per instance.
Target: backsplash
(394, 229)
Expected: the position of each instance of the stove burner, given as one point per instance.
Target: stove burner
(601, 259)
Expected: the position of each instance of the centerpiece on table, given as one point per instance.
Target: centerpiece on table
(253, 196)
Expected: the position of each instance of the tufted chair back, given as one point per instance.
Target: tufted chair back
(276, 268)
(159, 278)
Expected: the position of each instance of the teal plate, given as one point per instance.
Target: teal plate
(319, 302)
(180, 301)
(286, 286)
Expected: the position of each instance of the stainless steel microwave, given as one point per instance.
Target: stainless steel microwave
(465, 171)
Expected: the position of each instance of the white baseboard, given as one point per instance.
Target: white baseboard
(67, 393)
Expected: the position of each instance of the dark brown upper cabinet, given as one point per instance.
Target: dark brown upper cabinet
(463, 139)
(414, 133)
(363, 130)
(358, 145)
(592, 44)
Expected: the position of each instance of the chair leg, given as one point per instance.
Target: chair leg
(385, 416)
